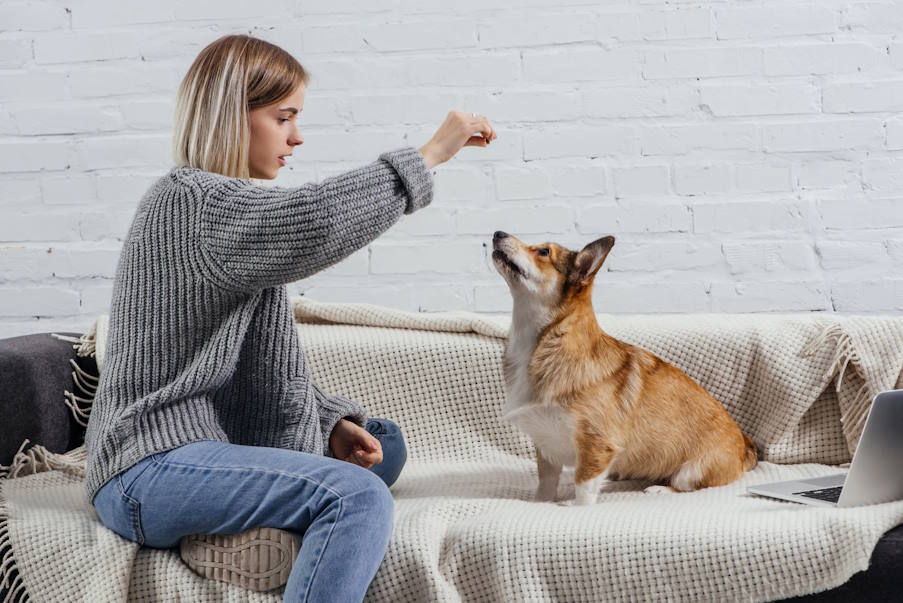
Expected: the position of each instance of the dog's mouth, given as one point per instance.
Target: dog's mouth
(501, 258)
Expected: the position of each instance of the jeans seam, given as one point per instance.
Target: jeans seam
(134, 511)
(154, 456)
(136, 477)
(265, 471)
(322, 550)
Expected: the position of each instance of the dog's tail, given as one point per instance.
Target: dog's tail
(752, 454)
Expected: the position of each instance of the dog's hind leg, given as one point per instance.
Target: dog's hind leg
(688, 477)
(708, 471)
(722, 470)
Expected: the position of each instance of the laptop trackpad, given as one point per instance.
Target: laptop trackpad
(824, 482)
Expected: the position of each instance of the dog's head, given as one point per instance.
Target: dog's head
(547, 274)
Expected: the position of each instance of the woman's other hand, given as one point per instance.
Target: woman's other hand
(457, 131)
(351, 442)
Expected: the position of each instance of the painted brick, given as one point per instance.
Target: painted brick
(746, 151)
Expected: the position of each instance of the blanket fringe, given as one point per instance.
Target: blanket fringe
(844, 351)
(38, 459)
(10, 577)
(84, 345)
(6, 470)
(86, 384)
(858, 412)
(852, 418)
(843, 356)
(861, 399)
(832, 331)
(17, 593)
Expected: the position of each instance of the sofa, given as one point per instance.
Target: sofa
(466, 525)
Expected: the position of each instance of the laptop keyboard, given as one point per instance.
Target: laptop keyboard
(827, 494)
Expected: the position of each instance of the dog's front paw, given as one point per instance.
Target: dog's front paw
(576, 502)
(587, 493)
(659, 490)
(545, 494)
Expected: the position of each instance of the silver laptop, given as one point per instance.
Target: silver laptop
(876, 473)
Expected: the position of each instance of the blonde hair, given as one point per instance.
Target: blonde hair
(228, 78)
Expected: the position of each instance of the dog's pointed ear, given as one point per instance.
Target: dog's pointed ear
(590, 258)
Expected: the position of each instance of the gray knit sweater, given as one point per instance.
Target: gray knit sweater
(202, 342)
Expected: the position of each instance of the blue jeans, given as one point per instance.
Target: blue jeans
(218, 488)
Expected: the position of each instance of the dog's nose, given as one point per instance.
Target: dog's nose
(498, 234)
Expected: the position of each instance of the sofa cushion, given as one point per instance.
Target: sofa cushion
(34, 372)
(882, 581)
(466, 493)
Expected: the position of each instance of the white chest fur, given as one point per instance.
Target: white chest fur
(551, 429)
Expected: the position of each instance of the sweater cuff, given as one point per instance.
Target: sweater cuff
(416, 178)
(333, 409)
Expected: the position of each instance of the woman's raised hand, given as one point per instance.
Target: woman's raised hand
(457, 131)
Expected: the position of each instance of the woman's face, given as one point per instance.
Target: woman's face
(274, 134)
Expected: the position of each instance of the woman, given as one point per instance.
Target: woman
(206, 420)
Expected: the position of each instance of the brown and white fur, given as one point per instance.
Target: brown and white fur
(607, 408)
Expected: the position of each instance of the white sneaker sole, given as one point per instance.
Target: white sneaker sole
(259, 559)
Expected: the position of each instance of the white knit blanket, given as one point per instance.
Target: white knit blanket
(465, 525)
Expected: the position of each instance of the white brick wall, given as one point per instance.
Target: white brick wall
(747, 154)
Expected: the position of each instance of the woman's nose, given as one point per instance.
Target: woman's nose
(296, 138)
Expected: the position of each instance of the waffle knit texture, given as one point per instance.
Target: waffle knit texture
(202, 344)
(466, 527)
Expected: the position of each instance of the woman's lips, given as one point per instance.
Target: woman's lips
(281, 161)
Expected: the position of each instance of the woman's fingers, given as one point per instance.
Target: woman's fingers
(457, 131)
(359, 457)
(480, 124)
(367, 450)
(355, 460)
(375, 453)
(366, 459)
(489, 129)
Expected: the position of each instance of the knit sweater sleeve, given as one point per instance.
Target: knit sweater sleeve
(254, 236)
(331, 409)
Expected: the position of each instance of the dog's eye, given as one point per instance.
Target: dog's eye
(543, 252)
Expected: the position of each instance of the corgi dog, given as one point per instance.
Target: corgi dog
(607, 408)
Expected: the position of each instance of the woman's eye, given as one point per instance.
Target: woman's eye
(543, 252)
